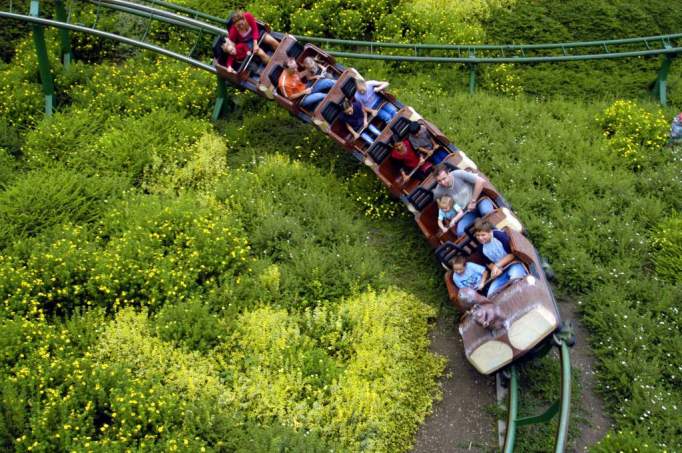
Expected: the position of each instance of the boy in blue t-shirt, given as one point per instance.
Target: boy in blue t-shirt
(468, 274)
(501, 262)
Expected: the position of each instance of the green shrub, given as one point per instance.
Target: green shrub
(143, 85)
(360, 373)
(624, 441)
(63, 137)
(634, 133)
(205, 165)
(49, 197)
(301, 221)
(92, 143)
(667, 242)
(372, 197)
(7, 168)
(190, 324)
(10, 138)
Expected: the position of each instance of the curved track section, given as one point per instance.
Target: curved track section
(532, 321)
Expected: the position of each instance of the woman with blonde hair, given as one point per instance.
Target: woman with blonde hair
(244, 29)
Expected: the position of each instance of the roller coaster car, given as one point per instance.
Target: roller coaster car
(427, 221)
(386, 169)
(246, 71)
(422, 195)
(328, 111)
(321, 57)
(288, 47)
(526, 304)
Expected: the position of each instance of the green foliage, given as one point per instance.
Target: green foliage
(10, 138)
(667, 242)
(634, 133)
(49, 197)
(300, 220)
(373, 198)
(357, 372)
(557, 21)
(143, 85)
(7, 168)
(95, 144)
(502, 79)
(624, 441)
(146, 251)
(190, 324)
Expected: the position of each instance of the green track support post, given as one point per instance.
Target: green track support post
(562, 406)
(63, 34)
(43, 61)
(220, 100)
(660, 86)
(472, 78)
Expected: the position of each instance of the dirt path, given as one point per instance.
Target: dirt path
(597, 423)
(460, 422)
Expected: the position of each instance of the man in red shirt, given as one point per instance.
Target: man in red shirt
(409, 161)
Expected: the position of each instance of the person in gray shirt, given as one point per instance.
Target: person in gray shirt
(465, 188)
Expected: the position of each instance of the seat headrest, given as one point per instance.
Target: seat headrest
(348, 88)
(275, 73)
(331, 112)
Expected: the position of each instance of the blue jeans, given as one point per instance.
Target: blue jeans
(483, 207)
(386, 112)
(512, 272)
(367, 134)
(319, 91)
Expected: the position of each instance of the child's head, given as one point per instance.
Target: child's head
(445, 202)
(348, 108)
(291, 64)
(483, 231)
(400, 147)
(309, 63)
(361, 86)
(228, 47)
(457, 264)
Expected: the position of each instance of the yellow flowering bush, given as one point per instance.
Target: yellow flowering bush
(147, 251)
(634, 133)
(373, 198)
(502, 79)
(359, 372)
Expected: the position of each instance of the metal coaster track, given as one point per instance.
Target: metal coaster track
(198, 22)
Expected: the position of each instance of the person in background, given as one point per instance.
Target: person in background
(244, 29)
(292, 87)
(366, 94)
(676, 129)
(501, 262)
(465, 188)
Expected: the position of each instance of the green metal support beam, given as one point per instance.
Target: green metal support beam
(63, 34)
(43, 61)
(560, 406)
(220, 100)
(472, 78)
(660, 86)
